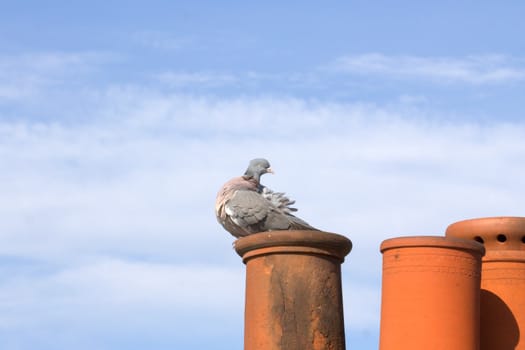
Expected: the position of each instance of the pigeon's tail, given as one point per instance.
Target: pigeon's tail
(299, 224)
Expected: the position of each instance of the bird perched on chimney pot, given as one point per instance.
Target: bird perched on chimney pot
(244, 206)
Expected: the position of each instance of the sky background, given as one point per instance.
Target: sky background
(120, 120)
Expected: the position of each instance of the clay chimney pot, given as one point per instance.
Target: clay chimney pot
(293, 290)
(502, 278)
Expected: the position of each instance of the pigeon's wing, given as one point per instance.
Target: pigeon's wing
(256, 213)
(249, 210)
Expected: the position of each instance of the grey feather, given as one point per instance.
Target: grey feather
(278, 199)
(244, 206)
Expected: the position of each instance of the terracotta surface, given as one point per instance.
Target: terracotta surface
(293, 290)
(503, 279)
(430, 294)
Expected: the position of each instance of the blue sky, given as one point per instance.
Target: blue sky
(119, 121)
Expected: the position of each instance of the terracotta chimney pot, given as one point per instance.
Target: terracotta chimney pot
(502, 278)
(430, 294)
(293, 290)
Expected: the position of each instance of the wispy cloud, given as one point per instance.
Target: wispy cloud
(234, 81)
(23, 75)
(480, 69)
(116, 213)
(97, 188)
(161, 40)
(199, 79)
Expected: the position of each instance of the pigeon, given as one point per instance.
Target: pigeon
(244, 206)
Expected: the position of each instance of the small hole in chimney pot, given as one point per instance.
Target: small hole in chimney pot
(479, 239)
(523, 239)
(501, 238)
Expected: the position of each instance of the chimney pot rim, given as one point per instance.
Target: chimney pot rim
(338, 245)
(432, 242)
(498, 233)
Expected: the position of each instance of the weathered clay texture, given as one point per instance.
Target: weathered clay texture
(293, 290)
(430, 294)
(502, 281)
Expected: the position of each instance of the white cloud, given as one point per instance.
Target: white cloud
(480, 69)
(97, 200)
(119, 284)
(90, 301)
(148, 180)
(200, 79)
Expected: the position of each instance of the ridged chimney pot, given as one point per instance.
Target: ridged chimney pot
(430, 294)
(293, 290)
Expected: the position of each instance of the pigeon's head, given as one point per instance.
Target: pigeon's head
(258, 167)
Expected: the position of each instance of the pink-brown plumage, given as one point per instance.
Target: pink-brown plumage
(243, 206)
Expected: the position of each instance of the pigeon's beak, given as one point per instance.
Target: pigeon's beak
(270, 170)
